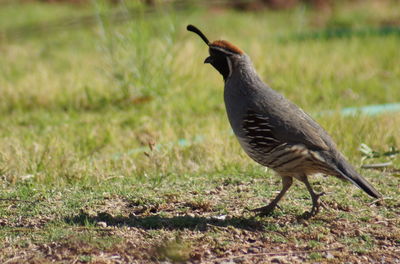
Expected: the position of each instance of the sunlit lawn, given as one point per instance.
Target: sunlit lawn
(123, 124)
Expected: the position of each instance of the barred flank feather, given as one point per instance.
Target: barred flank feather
(266, 149)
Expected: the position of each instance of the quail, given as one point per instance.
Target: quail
(274, 131)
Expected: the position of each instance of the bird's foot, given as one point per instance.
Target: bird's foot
(314, 211)
(315, 207)
(265, 210)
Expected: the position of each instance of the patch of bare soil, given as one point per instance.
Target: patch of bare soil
(191, 229)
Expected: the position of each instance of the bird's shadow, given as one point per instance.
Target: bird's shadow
(160, 222)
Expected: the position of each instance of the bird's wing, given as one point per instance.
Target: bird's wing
(297, 131)
(291, 127)
(260, 132)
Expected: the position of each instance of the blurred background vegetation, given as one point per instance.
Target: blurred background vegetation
(114, 137)
(102, 89)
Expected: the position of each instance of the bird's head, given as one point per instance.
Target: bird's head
(222, 53)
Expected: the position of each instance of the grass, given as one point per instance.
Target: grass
(81, 106)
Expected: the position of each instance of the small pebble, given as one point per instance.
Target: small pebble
(227, 262)
(253, 250)
(207, 253)
(101, 224)
(219, 217)
(329, 256)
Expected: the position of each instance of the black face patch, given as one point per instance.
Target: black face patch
(219, 60)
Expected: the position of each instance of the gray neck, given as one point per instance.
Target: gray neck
(242, 73)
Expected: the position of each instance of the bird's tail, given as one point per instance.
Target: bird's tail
(349, 173)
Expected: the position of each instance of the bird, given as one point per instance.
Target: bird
(274, 131)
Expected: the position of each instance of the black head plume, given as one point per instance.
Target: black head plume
(198, 32)
(220, 51)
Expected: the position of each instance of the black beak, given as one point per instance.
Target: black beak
(208, 60)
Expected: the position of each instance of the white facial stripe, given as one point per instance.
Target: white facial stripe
(223, 50)
(229, 66)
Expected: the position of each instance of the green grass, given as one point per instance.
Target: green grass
(80, 107)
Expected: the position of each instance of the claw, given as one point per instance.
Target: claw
(316, 205)
(266, 210)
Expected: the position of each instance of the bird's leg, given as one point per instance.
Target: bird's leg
(314, 196)
(266, 210)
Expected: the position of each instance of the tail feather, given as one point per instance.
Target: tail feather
(349, 173)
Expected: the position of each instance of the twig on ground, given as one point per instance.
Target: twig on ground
(377, 165)
(379, 201)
